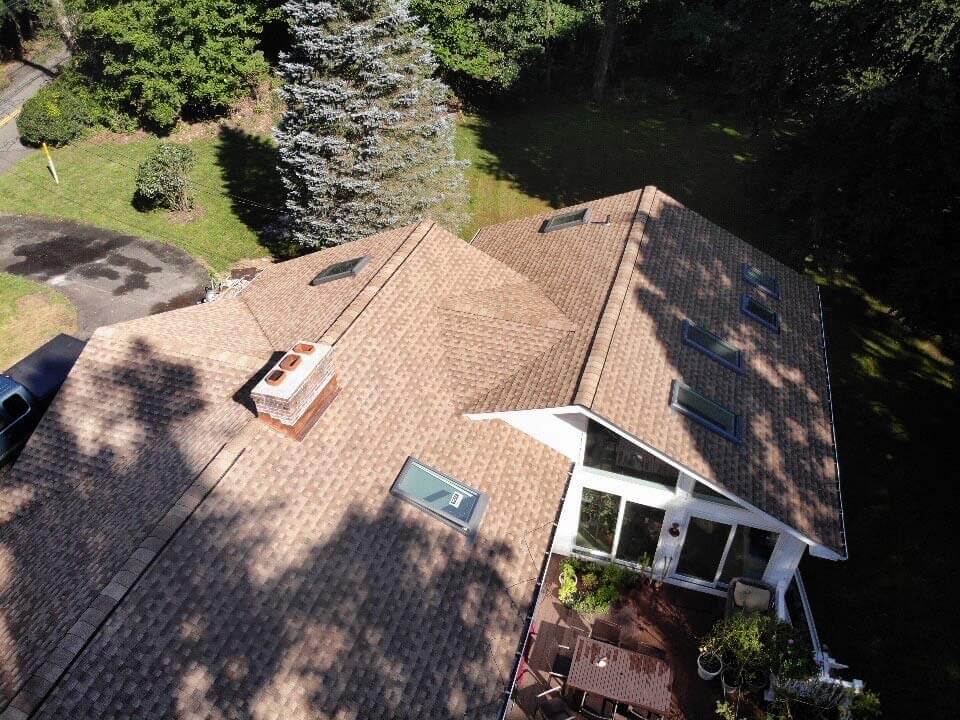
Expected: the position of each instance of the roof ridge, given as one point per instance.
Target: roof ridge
(377, 281)
(603, 335)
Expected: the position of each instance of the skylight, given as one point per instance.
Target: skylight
(444, 498)
(712, 346)
(765, 283)
(764, 315)
(566, 220)
(345, 268)
(705, 411)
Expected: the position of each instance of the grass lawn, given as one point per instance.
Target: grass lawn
(30, 314)
(234, 179)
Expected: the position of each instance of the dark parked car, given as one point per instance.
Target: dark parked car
(27, 388)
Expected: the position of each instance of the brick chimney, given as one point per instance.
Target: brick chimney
(297, 389)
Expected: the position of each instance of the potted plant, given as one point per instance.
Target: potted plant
(731, 678)
(709, 662)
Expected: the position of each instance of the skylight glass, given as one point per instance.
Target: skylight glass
(764, 315)
(445, 498)
(566, 220)
(712, 346)
(705, 411)
(345, 268)
(764, 283)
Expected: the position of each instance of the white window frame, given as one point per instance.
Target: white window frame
(628, 489)
(699, 508)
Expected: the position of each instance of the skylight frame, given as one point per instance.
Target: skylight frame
(355, 266)
(739, 367)
(577, 218)
(468, 527)
(767, 284)
(738, 422)
(745, 301)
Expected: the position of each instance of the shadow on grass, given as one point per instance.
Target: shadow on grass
(249, 166)
(571, 153)
(897, 410)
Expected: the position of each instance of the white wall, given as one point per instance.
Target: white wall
(564, 430)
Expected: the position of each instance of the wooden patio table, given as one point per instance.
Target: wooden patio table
(642, 681)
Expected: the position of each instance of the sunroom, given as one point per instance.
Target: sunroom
(628, 504)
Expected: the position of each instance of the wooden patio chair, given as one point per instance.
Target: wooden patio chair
(552, 706)
(605, 631)
(597, 707)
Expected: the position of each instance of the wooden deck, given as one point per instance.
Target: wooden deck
(665, 621)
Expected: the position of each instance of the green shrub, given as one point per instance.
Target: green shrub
(759, 642)
(591, 588)
(162, 179)
(58, 113)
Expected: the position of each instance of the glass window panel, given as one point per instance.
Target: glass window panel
(598, 520)
(15, 406)
(749, 553)
(703, 548)
(344, 268)
(702, 408)
(639, 533)
(798, 617)
(570, 219)
(765, 283)
(760, 312)
(606, 450)
(712, 346)
(440, 495)
(707, 493)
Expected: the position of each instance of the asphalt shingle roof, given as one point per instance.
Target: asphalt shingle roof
(239, 573)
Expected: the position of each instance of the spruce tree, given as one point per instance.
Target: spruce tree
(366, 142)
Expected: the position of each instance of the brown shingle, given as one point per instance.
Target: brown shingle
(300, 587)
(688, 268)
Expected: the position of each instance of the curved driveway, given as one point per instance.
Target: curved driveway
(109, 277)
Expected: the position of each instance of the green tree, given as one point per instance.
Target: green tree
(366, 142)
(157, 60)
(491, 42)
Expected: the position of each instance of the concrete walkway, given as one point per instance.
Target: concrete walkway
(109, 277)
(24, 83)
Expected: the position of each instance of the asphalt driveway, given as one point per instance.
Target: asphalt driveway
(108, 277)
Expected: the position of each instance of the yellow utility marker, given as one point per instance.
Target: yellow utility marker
(53, 168)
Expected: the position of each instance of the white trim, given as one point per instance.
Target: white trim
(833, 432)
(816, 548)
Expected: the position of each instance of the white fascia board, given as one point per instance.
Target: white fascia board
(833, 434)
(815, 548)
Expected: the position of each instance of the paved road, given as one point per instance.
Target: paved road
(109, 277)
(24, 82)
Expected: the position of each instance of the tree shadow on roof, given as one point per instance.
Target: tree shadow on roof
(240, 617)
(98, 473)
(896, 406)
